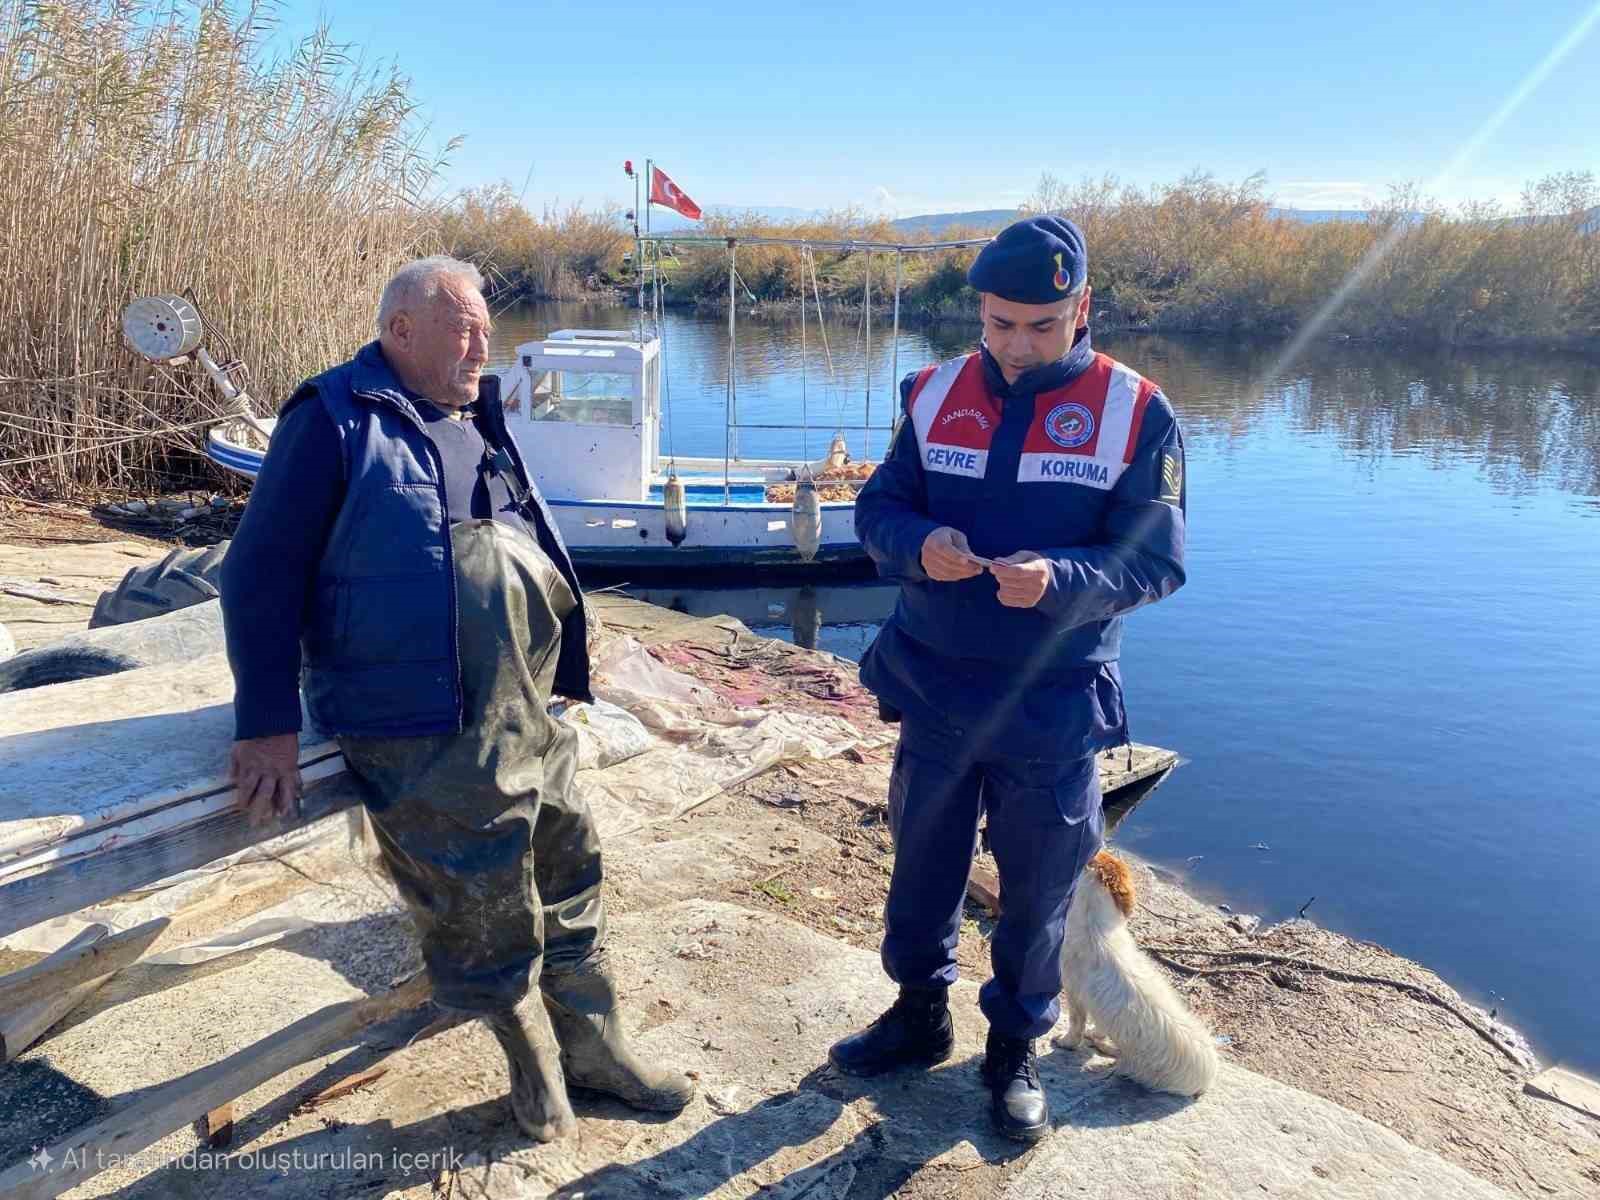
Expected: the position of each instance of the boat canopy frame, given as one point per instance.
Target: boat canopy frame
(731, 243)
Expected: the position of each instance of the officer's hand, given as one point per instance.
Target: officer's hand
(945, 556)
(266, 770)
(1023, 578)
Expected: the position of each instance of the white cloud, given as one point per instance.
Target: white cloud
(1340, 193)
(882, 203)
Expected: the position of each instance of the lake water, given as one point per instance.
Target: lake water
(1385, 666)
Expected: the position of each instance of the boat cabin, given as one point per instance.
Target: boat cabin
(586, 405)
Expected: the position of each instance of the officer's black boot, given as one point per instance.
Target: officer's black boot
(1011, 1069)
(915, 1032)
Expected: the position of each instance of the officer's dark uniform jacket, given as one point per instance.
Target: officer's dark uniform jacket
(1081, 461)
(379, 628)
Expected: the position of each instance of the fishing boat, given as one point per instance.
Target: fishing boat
(590, 410)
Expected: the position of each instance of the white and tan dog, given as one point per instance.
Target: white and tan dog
(1138, 1019)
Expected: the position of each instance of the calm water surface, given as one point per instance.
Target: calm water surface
(1385, 666)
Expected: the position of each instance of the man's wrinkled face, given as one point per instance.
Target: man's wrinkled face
(446, 345)
(1024, 336)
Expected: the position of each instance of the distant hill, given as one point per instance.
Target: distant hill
(990, 219)
(996, 218)
(1316, 216)
(664, 220)
(982, 218)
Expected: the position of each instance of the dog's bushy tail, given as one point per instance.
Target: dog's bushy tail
(1159, 1042)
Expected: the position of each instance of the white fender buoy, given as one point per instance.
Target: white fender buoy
(838, 455)
(8, 645)
(676, 509)
(806, 519)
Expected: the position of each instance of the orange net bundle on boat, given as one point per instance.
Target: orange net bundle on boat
(832, 483)
(783, 493)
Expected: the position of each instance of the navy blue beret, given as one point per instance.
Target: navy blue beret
(1036, 261)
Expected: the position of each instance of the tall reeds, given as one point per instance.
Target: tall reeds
(1209, 256)
(569, 252)
(1196, 255)
(153, 147)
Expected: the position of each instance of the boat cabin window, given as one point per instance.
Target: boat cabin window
(582, 397)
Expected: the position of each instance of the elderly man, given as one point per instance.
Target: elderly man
(1033, 495)
(395, 545)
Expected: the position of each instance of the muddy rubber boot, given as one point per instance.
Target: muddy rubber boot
(538, 1091)
(1017, 1099)
(587, 1018)
(915, 1032)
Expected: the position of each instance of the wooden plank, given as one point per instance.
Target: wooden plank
(88, 881)
(150, 1114)
(22, 1028)
(81, 843)
(984, 888)
(87, 936)
(1128, 765)
(215, 1129)
(95, 752)
(1566, 1088)
(76, 963)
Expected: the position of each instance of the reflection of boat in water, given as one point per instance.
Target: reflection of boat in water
(805, 609)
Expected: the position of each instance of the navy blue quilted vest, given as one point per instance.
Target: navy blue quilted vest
(382, 658)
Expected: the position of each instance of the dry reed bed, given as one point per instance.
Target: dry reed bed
(150, 148)
(1195, 255)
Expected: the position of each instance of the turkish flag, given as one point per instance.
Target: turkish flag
(663, 191)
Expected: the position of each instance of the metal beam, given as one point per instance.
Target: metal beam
(700, 239)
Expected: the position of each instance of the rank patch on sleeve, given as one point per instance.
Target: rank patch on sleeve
(1171, 479)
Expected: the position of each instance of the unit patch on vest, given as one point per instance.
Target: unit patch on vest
(1069, 425)
(1171, 480)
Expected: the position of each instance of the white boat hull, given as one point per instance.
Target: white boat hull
(727, 529)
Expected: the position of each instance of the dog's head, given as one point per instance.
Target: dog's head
(1115, 877)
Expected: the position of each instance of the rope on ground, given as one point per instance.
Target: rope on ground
(1416, 991)
(1204, 972)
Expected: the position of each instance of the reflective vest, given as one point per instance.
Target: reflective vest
(1083, 433)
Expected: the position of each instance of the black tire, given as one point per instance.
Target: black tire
(184, 577)
(44, 666)
(175, 637)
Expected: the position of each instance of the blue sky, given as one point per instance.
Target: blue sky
(909, 108)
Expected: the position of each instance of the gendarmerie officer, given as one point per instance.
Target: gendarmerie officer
(1064, 469)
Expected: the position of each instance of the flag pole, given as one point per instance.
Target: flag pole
(638, 254)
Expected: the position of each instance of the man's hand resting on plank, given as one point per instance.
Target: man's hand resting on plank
(266, 770)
